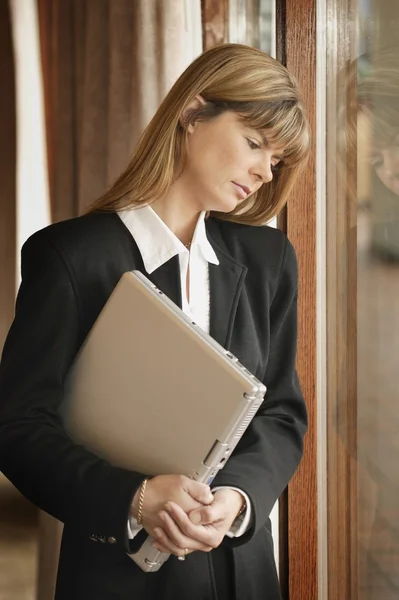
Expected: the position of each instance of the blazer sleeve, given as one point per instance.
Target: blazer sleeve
(36, 454)
(271, 448)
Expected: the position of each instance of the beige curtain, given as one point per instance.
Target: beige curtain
(7, 173)
(107, 64)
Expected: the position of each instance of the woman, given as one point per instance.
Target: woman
(219, 157)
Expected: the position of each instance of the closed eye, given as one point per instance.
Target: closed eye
(377, 161)
(253, 145)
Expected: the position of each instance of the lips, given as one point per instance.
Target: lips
(243, 190)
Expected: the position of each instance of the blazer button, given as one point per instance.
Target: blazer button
(93, 537)
(102, 539)
(112, 540)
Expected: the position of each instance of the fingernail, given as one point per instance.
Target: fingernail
(167, 506)
(158, 532)
(195, 518)
(162, 515)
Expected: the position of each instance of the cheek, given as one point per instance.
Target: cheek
(217, 156)
(381, 173)
(212, 163)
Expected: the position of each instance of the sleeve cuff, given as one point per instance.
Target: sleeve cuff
(133, 528)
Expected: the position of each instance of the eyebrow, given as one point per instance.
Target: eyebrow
(264, 138)
(266, 143)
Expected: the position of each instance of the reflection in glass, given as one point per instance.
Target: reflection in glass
(362, 100)
(378, 300)
(378, 328)
(253, 22)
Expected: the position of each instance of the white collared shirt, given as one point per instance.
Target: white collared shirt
(157, 245)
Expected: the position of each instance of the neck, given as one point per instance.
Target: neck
(178, 214)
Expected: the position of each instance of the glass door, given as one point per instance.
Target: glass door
(362, 327)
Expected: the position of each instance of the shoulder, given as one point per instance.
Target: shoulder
(84, 229)
(254, 246)
(87, 234)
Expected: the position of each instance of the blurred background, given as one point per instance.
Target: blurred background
(80, 79)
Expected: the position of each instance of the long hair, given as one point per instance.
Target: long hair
(228, 77)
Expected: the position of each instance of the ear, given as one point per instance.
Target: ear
(185, 117)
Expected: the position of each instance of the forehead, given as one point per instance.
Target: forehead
(271, 140)
(267, 136)
(377, 132)
(383, 145)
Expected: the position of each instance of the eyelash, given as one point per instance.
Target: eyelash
(253, 145)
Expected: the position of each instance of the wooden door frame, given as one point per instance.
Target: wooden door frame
(296, 48)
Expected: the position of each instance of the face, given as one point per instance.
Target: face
(385, 161)
(227, 162)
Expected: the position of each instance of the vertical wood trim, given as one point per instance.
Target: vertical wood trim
(296, 48)
(215, 20)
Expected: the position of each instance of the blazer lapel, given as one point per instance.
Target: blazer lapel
(167, 279)
(226, 282)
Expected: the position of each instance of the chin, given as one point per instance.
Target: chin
(223, 206)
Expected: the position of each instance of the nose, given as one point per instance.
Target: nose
(264, 167)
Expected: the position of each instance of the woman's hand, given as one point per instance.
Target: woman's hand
(202, 528)
(189, 495)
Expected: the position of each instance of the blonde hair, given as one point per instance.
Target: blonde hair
(228, 77)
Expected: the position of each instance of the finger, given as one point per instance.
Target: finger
(209, 536)
(177, 537)
(199, 491)
(158, 546)
(208, 515)
(163, 541)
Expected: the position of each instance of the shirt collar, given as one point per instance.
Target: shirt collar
(157, 243)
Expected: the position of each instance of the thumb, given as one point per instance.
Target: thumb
(196, 516)
(205, 515)
(200, 492)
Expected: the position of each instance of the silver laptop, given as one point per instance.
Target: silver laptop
(150, 391)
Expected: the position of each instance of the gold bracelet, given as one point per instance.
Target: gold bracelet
(141, 502)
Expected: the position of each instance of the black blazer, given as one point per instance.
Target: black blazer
(68, 272)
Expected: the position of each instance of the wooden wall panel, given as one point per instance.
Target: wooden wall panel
(7, 173)
(296, 48)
